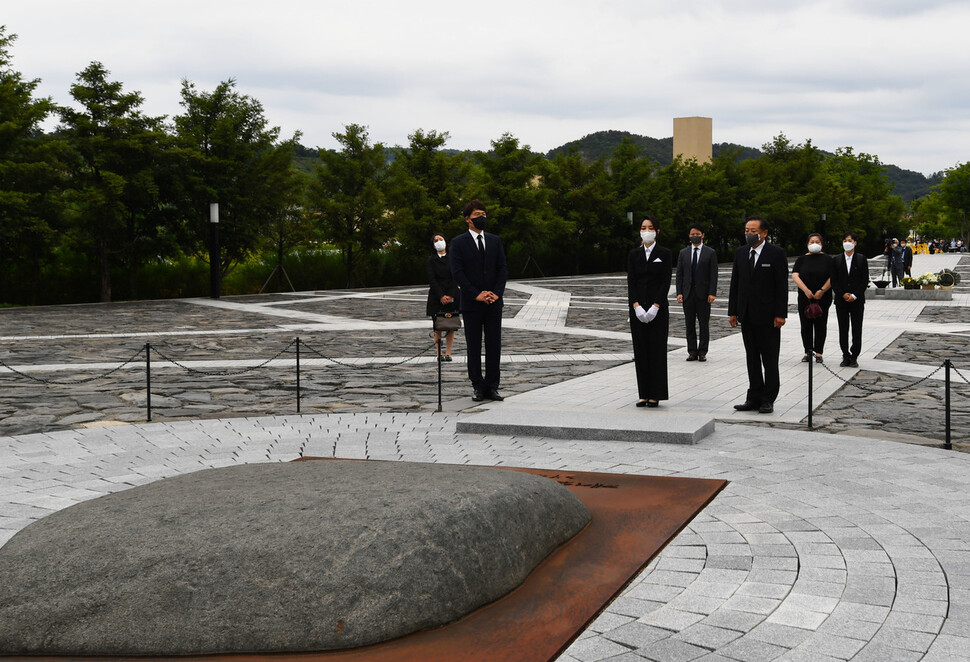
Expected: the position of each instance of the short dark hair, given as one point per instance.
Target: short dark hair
(762, 223)
(695, 226)
(471, 206)
(651, 218)
(438, 234)
(815, 234)
(851, 235)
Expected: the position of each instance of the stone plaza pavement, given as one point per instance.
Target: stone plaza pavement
(822, 546)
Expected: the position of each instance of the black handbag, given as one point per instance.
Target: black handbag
(447, 321)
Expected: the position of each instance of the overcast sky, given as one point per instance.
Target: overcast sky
(886, 77)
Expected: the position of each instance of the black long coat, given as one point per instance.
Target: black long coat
(649, 284)
(442, 283)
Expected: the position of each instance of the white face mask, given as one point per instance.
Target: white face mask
(848, 246)
(439, 246)
(815, 248)
(648, 236)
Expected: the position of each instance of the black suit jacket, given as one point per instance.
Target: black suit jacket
(706, 283)
(474, 277)
(907, 257)
(855, 282)
(649, 284)
(761, 295)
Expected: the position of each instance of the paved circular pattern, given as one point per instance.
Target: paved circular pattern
(822, 547)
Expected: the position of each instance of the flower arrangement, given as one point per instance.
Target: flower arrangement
(909, 282)
(928, 279)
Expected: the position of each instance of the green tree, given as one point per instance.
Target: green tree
(115, 201)
(230, 156)
(512, 187)
(955, 192)
(582, 197)
(30, 180)
(426, 191)
(349, 197)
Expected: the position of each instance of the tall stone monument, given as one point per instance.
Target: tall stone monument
(693, 138)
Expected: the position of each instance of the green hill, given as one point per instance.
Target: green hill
(906, 183)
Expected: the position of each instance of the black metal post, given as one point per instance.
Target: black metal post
(148, 380)
(297, 375)
(811, 360)
(948, 446)
(215, 277)
(438, 344)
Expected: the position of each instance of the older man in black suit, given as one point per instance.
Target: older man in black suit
(850, 278)
(696, 290)
(479, 267)
(758, 300)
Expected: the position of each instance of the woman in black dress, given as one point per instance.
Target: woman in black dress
(443, 294)
(812, 274)
(648, 283)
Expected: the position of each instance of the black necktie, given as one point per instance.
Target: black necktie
(481, 246)
(751, 259)
(693, 264)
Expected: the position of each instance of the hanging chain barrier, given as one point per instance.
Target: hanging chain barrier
(73, 382)
(868, 389)
(345, 364)
(946, 366)
(222, 373)
(148, 349)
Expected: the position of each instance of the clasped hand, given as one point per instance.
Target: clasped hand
(486, 296)
(646, 315)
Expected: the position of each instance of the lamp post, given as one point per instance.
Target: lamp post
(215, 280)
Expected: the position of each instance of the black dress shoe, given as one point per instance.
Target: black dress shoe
(818, 358)
(702, 357)
(747, 406)
(692, 357)
(844, 364)
(653, 403)
(806, 359)
(492, 394)
(766, 408)
(447, 357)
(641, 403)
(478, 396)
(853, 363)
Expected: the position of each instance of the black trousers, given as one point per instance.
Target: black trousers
(762, 345)
(850, 315)
(650, 355)
(814, 331)
(485, 319)
(697, 313)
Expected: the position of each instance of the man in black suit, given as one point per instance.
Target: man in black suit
(696, 290)
(850, 278)
(907, 256)
(478, 264)
(758, 300)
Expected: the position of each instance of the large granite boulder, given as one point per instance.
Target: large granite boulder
(298, 556)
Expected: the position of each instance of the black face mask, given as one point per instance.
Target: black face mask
(480, 222)
(752, 239)
(696, 240)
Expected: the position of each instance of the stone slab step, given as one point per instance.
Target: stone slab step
(648, 425)
(914, 295)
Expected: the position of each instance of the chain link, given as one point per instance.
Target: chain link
(357, 365)
(957, 370)
(876, 390)
(229, 373)
(72, 382)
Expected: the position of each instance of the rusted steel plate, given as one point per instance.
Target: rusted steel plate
(633, 518)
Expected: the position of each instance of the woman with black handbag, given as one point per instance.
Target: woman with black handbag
(443, 294)
(812, 274)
